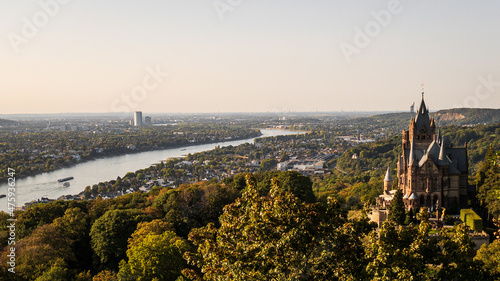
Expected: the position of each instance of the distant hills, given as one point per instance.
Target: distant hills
(467, 116)
(395, 122)
(6, 122)
(479, 128)
(455, 116)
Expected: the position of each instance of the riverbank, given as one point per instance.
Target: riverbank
(105, 169)
(126, 151)
(288, 129)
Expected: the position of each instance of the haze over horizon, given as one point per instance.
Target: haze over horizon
(247, 56)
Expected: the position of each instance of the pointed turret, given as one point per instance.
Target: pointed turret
(433, 126)
(422, 120)
(443, 159)
(388, 176)
(422, 109)
(388, 181)
(438, 137)
(442, 154)
(411, 157)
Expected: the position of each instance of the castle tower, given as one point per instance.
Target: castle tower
(388, 181)
(423, 128)
(432, 172)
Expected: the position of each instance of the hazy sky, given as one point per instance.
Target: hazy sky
(242, 55)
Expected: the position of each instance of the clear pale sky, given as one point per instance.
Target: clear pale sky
(247, 56)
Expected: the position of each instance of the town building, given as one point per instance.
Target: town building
(138, 118)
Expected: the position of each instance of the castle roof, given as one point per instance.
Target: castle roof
(388, 176)
(422, 120)
(440, 155)
(411, 157)
(443, 158)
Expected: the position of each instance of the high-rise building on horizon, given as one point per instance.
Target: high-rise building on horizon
(138, 118)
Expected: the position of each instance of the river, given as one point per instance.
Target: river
(105, 169)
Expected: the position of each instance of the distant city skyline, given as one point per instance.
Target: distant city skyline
(247, 56)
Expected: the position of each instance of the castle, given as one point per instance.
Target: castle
(430, 171)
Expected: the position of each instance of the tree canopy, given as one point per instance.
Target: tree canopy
(110, 234)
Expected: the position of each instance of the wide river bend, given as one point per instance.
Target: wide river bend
(105, 169)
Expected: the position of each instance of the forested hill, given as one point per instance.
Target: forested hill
(376, 156)
(394, 123)
(6, 122)
(467, 116)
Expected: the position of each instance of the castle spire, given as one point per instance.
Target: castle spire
(422, 120)
(388, 181)
(443, 159)
(388, 176)
(441, 151)
(411, 156)
(422, 109)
